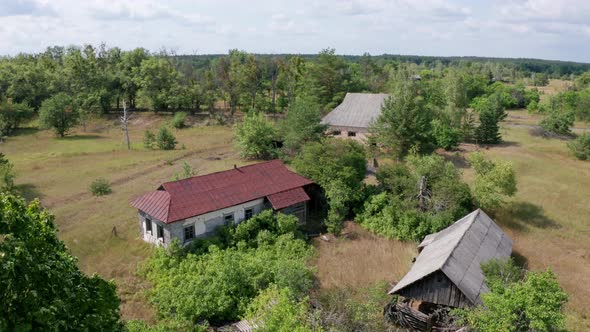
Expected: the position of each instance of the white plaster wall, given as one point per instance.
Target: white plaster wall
(204, 224)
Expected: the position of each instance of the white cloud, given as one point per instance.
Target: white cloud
(531, 28)
(26, 7)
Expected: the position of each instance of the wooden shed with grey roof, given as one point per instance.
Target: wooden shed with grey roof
(354, 115)
(448, 269)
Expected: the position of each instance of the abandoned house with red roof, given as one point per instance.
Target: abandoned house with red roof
(195, 207)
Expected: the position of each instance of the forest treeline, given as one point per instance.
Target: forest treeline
(100, 78)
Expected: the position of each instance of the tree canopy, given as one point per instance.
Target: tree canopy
(42, 286)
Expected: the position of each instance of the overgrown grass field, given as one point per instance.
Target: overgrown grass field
(103, 232)
(549, 219)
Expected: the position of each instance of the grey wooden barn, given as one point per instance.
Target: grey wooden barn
(448, 269)
(354, 115)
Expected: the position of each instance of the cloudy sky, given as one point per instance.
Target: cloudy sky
(547, 29)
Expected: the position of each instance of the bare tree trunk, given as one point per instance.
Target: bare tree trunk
(274, 92)
(124, 123)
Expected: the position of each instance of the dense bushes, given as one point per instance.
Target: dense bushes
(218, 283)
(558, 123)
(339, 166)
(531, 303)
(576, 102)
(494, 181)
(420, 197)
(580, 147)
(276, 309)
(100, 187)
(447, 136)
(255, 137)
(12, 115)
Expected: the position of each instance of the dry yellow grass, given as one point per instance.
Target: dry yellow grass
(59, 171)
(549, 220)
(553, 87)
(361, 259)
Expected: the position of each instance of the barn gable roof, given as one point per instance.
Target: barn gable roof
(356, 110)
(458, 251)
(194, 196)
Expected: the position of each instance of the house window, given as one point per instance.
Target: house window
(336, 132)
(228, 219)
(148, 226)
(189, 233)
(351, 133)
(248, 214)
(160, 232)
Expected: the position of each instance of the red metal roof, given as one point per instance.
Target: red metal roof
(287, 198)
(194, 196)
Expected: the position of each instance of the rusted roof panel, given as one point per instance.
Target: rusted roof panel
(156, 204)
(287, 198)
(201, 194)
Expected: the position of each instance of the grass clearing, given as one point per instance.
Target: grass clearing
(361, 259)
(59, 171)
(548, 218)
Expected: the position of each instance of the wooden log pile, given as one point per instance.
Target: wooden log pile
(403, 315)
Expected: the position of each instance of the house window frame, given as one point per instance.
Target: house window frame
(191, 229)
(160, 232)
(227, 220)
(336, 132)
(351, 133)
(251, 212)
(148, 226)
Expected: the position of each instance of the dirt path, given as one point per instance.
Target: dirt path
(133, 176)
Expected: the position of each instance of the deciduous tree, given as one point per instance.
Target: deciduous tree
(59, 113)
(42, 287)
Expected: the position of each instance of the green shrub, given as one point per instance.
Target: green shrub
(6, 174)
(218, 286)
(276, 309)
(533, 107)
(187, 172)
(179, 120)
(494, 181)
(149, 139)
(446, 136)
(580, 147)
(165, 139)
(558, 123)
(12, 115)
(100, 187)
(532, 303)
(338, 166)
(255, 137)
(402, 211)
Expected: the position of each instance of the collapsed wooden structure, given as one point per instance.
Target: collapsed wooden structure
(447, 272)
